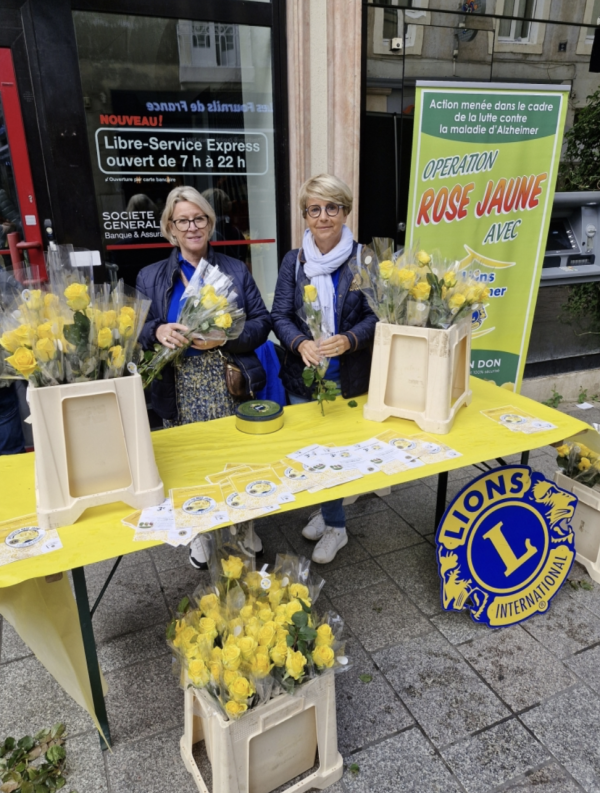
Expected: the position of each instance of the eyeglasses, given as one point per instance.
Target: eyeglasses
(314, 211)
(183, 224)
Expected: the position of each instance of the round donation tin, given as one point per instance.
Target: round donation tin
(259, 417)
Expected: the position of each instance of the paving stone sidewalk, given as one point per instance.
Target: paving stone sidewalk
(450, 705)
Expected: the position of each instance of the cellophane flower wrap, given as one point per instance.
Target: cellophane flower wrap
(312, 314)
(254, 634)
(414, 287)
(70, 331)
(209, 309)
(580, 463)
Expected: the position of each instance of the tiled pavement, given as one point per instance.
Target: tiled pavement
(450, 706)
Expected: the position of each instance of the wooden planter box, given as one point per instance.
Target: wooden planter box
(420, 374)
(92, 446)
(585, 522)
(268, 746)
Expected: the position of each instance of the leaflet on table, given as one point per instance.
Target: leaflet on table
(293, 475)
(223, 476)
(518, 420)
(425, 448)
(261, 488)
(156, 524)
(237, 505)
(199, 508)
(21, 538)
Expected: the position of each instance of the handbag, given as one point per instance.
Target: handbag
(234, 378)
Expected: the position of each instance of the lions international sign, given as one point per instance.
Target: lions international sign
(505, 545)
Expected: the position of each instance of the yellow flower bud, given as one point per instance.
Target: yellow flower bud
(198, 673)
(77, 296)
(310, 293)
(105, 338)
(295, 663)
(23, 360)
(231, 657)
(421, 290)
(323, 657)
(385, 269)
(299, 591)
(208, 602)
(235, 709)
(10, 341)
(233, 567)
(223, 321)
(456, 301)
(423, 258)
(45, 350)
(279, 654)
(324, 635)
(116, 356)
(241, 689)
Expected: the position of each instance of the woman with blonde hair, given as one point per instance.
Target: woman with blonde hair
(325, 202)
(195, 388)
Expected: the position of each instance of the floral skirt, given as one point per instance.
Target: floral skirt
(201, 390)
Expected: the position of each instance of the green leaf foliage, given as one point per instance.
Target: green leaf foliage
(365, 678)
(34, 764)
(353, 403)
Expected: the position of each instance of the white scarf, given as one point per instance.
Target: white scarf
(319, 267)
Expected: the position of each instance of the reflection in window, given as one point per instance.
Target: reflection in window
(517, 29)
(595, 19)
(214, 44)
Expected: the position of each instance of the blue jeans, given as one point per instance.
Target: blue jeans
(11, 434)
(332, 511)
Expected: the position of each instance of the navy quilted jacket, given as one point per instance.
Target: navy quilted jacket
(156, 282)
(356, 321)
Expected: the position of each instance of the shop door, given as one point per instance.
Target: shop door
(20, 230)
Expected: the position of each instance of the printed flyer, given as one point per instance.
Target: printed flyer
(484, 165)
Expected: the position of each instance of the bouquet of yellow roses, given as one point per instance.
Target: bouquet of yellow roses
(579, 462)
(267, 638)
(209, 309)
(312, 314)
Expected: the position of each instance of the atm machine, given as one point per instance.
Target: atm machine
(573, 247)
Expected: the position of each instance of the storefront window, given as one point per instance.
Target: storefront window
(171, 102)
(10, 217)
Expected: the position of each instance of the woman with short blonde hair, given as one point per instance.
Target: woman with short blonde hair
(195, 387)
(325, 202)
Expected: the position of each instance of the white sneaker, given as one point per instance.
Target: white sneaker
(315, 528)
(252, 541)
(199, 550)
(333, 539)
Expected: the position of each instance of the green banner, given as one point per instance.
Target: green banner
(484, 164)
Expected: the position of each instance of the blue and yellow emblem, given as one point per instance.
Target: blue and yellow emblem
(505, 545)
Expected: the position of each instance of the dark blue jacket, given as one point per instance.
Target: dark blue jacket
(356, 321)
(156, 282)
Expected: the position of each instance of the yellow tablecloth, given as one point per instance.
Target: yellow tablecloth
(44, 614)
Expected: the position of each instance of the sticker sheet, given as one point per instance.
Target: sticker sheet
(262, 488)
(517, 420)
(21, 538)
(199, 508)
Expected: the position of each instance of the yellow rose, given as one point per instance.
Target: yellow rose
(23, 360)
(208, 602)
(216, 669)
(267, 635)
(241, 689)
(210, 300)
(310, 293)
(279, 654)
(25, 335)
(207, 627)
(456, 301)
(223, 321)
(421, 290)
(229, 676)
(449, 279)
(231, 657)
(260, 666)
(583, 450)
(51, 305)
(207, 290)
(423, 258)
(325, 636)
(253, 579)
(235, 709)
(253, 627)
(282, 634)
(584, 464)
(563, 451)
(386, 268)
(105, 338)
(198, 673)
(44, 331)
(10, 341)
(247, 645)
(107, 319)
(45, 350)
(275, 597)
(404, 278)
(299, 591)
(247, 612)
(292, 607)
(471, 294)
(185, 637)
(126, 327)
(323, 657)
(295, 663)
(232, 567)
(117, 356)
(265, 615)
(35, 300)
(127, 311)
(77, 296)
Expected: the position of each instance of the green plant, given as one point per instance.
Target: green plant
(582, 309)
(353, 403)
(365, 678)
(580, 169)
(324, 390)
(354, 768)
(34, 764)
(582, 396)
(555, 400)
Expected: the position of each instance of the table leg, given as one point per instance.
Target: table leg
(524, 458)
(440, 504)
(91, 656)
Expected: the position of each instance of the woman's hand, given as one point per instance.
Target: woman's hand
(170, 335)
(311, 354)
(334, 346)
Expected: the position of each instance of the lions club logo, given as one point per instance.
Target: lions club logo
(505, 545)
